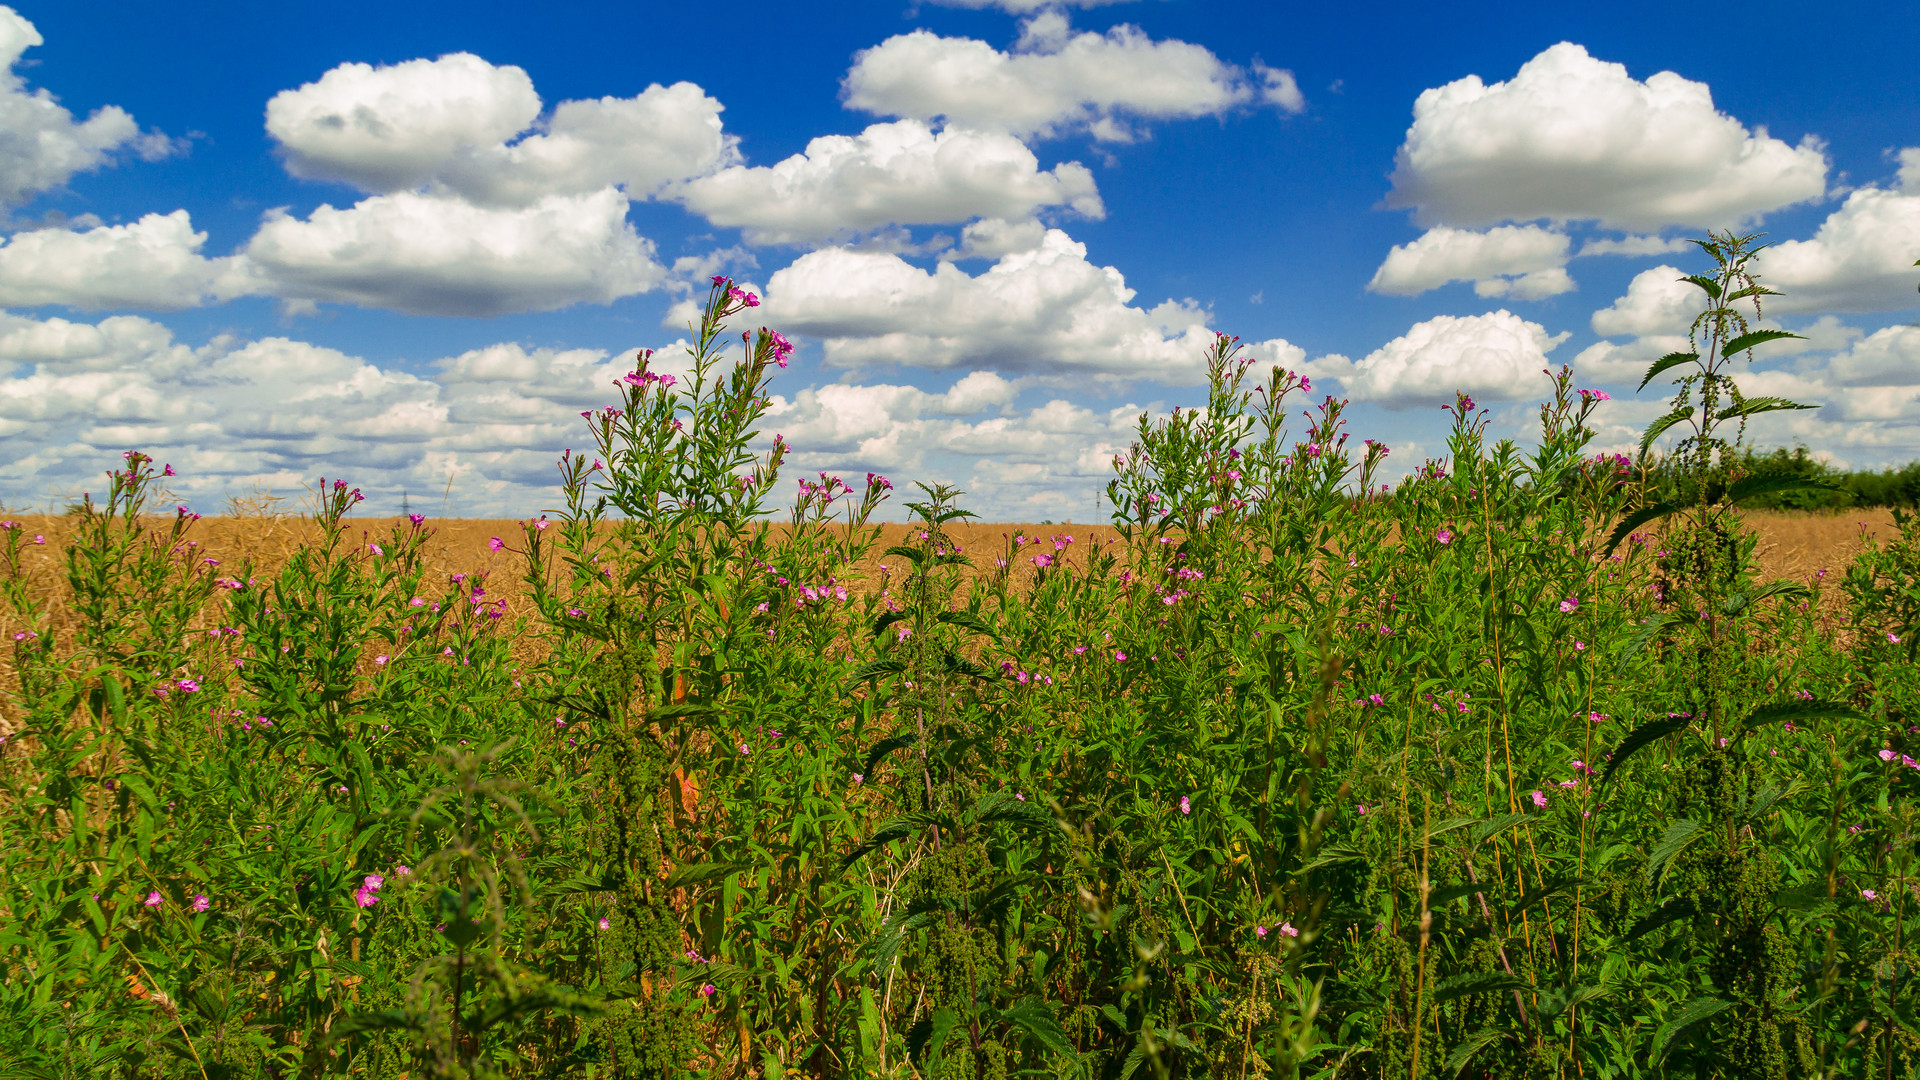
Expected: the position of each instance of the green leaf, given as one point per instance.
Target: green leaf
(1679, 836)
(912, 555)
(690, 874)
(1796, 709)
(1037, 1019)
(1464, 1053)
(1475, 982)
(1659, 427)
(1671, 909)
(1493, 827)
(1449, 825)
(873, 669)
(1751, 338)
(1635, 520)
(1690, 1014)
(1649, 630)
(1667, 363)
(1639, 737)
(887, 746)
(1752, 487)
(1756, 405)
(1707, 284)
(968, 621)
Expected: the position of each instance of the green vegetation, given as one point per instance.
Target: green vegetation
(1513, 769)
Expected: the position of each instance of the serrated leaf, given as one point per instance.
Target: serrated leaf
(1753, 337)
(1756, 405)
(1669, 910)
(1475, 982)
(912, 555)
(1678, 837)
(1667, 363)
(1691, 1013)
(1796, 709)
(968, 621)
(1754, 486)
(1638, 738)
(887, 746)
(1635, 520)
(700, 873)
(1493, 827)
(1663, 425)
(1464, 1052)
(1706, 284)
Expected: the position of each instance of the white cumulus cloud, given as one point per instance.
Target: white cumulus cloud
(41, 146)
(1045, 311)
(1571, 137)
(1532, 257)
(473, 128)
(154, 263)
(1862, 257)
(429, 255)
(1497, 356)
(900, 173)
(1055, 81)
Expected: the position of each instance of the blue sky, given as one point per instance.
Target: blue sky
(408, 245)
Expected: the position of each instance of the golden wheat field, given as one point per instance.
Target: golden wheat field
(1791, 544)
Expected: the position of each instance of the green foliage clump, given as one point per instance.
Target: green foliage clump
(1514, 768)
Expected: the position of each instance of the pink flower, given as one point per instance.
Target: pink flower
(1570, 605)
(1869, 894)
(1893, 638)
(402, 870)
(1540, 800)
(375, 549)
(1579, 646)
(1118, 655)
(188, 686)
(494, 544)
(417, 518)
(1887, 755)
(744, 750)
(708, 990)
(603, 923)
(1186, 806)
(153, 900)
(380, 661)
(1445, 536)
(200, 903)
(1287, 930)
(1260, 931)
(859, 778)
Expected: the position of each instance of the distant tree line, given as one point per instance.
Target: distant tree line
(1895, 485)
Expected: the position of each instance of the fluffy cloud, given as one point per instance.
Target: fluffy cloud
(430, 255)
(1055, 80)
(40, 144)
(1656, 313)
(154, 263)
(1045, 311)
(901, 173)
(1496, 356)
(452, 123)
(1574, 138)
(276, 413)
(1016, 464)
(1861, 259)
(1657, 301)
(57, 346)
(1524, 261)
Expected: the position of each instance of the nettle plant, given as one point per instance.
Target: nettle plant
(1512, 767)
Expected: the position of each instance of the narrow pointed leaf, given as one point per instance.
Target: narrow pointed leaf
(1667, 363)
(1646, 733)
